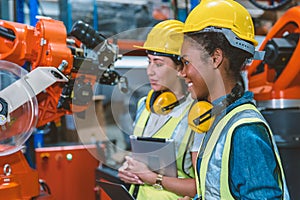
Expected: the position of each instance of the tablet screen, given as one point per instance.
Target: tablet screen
(157, 153)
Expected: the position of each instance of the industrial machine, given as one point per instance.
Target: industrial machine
(18, 118)
(57, 77)
(61, 70)
(84, 56)
(275, 82)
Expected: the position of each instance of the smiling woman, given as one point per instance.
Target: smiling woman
(214, 52)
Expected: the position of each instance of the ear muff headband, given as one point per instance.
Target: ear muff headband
(202, 113)
(161, 102)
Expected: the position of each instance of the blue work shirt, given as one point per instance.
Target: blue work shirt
(253, 169)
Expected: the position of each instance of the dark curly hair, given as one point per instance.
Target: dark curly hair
(210, 41)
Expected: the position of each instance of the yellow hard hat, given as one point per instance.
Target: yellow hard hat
(165, 37)
(227, 14)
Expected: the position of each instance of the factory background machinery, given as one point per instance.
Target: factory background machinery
(275, 82)
(83, 59)
(91, 44)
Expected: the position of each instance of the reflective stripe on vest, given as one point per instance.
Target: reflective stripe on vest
(166, 131)
(225, 191)
(222, 134)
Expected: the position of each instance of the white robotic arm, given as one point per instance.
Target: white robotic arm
(18, 93)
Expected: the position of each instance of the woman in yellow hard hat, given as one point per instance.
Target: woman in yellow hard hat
(238, 158)
(163, 114)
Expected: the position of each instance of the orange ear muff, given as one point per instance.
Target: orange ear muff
(200, 116)
(161, 102)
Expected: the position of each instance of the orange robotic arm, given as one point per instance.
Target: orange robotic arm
(73, 64)
(47, 44)
(276, 80)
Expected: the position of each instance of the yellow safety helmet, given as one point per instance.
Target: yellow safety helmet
(165, 37)
(223, 14)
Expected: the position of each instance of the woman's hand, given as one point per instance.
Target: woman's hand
(136, 172)
(127, 176)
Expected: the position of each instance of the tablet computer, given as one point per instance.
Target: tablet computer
(157, 153)
(115, 191)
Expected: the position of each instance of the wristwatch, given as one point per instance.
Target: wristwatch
(158, 182)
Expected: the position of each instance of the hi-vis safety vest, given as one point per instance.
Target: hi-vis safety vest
(214, 184)
(148, 191)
